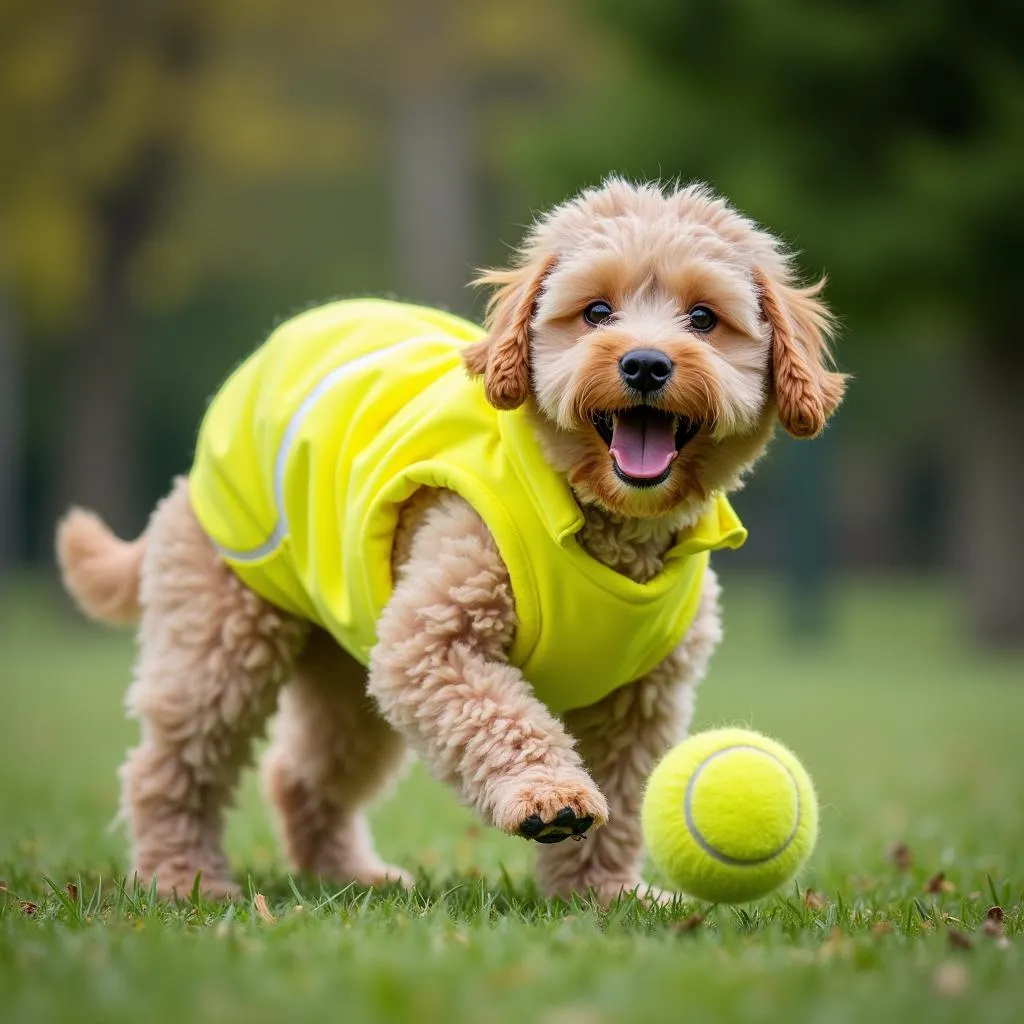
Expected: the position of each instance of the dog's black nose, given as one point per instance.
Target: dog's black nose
(645, 369)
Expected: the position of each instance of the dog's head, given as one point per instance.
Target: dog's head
(658, 334)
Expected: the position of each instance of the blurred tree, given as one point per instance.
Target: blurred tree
(163, 154)
(432, 155)
(887, 137)
(447, 65)
(94, 101)
(10, 434)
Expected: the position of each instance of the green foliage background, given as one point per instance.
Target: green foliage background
(179, 176)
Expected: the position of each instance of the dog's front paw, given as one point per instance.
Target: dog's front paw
(549, 807)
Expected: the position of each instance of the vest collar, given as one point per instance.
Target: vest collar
(719, 527)
(553, 500)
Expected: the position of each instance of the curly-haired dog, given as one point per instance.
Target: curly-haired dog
(517, 554)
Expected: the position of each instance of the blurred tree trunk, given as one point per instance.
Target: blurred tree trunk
(434, 207)
(100, 444)
(991, 530)
(11, 390)
(99, 465)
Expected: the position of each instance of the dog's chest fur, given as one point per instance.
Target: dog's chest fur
(634, 547)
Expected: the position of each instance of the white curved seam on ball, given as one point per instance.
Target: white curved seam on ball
(724, 858)
(323, 386)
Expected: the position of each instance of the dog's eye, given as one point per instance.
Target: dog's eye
(596, 313)
(702, 319)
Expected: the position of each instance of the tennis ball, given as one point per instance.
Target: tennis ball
(729, 815)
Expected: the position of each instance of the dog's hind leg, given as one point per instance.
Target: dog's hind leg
(211, 660)
(331, 753)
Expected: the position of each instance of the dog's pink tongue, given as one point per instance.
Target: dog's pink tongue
(643, 445)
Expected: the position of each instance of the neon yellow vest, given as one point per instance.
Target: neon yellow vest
(307, 453)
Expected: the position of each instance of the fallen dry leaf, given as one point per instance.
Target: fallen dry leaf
(992, 926)
(28, 908)
(72, 891)
(814, 899)
(262, 910)
(959, 939)
(688, 924)
(900, 855)
(950, 979)
(939, 883)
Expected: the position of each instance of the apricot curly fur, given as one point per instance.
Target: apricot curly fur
(100, 571)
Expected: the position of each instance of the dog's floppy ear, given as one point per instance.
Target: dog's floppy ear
(807, 390)
(503, 357)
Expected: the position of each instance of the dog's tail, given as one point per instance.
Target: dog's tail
(100, 571)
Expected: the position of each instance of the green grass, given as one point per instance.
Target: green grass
(911, 738)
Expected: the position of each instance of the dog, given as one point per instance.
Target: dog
(486, 545)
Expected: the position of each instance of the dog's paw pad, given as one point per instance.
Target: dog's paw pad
(548, 810)
(562, 826)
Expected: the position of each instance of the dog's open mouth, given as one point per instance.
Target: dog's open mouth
(644, 442)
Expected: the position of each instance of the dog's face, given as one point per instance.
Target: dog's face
(658, 335)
